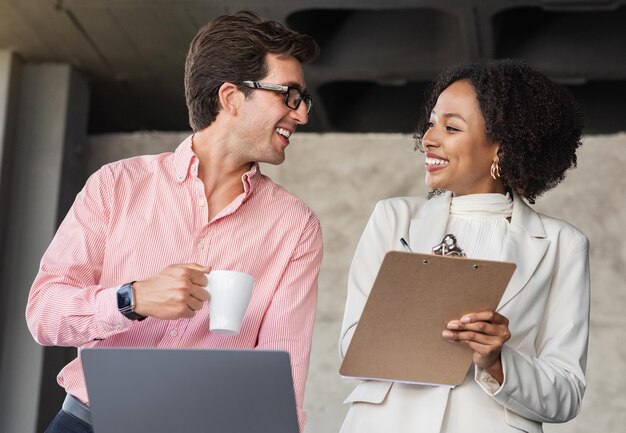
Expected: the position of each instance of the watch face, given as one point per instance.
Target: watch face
(124, 298)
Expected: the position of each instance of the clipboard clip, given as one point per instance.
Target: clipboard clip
(448, 247)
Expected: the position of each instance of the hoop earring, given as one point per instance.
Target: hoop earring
(495, 170)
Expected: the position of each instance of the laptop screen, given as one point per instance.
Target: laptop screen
(191, 391)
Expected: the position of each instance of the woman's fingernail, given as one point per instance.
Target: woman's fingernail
(453, 325)
(447, 334)
(466, 319)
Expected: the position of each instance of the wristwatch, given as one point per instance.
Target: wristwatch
(126, 302)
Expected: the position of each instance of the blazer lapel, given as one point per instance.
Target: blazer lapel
(427, 228)
(525, 245)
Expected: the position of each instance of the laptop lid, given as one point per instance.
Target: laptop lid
(187, 390)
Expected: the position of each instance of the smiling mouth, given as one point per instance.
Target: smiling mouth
(436, 162)
(285, 133)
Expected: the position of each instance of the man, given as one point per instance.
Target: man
(143, 231)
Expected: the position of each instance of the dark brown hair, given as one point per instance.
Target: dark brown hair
(233, 48)
(536, 121)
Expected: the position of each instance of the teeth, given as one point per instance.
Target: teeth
(283, 132)
(436, 161)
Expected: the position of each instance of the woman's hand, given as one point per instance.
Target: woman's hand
(485, 333)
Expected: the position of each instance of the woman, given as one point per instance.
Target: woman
(495, 133)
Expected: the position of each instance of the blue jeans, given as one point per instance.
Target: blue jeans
(66, 423)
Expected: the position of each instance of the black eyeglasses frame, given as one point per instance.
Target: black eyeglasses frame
(287, 91)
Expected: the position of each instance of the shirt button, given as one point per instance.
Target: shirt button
(173, 332)
(202, 202)
(200, 245)
(118, 327)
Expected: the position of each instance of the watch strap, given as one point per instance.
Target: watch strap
(126, 302)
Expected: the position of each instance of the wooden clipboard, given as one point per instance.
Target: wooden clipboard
(398, 337)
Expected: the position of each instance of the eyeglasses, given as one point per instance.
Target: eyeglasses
(293, 95)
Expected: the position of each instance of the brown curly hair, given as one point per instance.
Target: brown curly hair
(233, 48)
(536, 121)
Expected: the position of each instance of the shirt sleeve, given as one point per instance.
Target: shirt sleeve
(66, 305)
(288, 322)
(549, 387)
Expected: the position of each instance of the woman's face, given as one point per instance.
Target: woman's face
(458, 153)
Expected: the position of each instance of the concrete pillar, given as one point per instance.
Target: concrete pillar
(9, 71)
(49, 119)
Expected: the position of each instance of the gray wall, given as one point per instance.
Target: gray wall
(341, 176)
(40, 170)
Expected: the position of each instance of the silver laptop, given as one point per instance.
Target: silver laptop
(190, 391)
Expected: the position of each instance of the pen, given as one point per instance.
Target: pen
(405, 245)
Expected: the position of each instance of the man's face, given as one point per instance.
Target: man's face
(265, 122)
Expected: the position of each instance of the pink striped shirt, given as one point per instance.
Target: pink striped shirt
(137, 216)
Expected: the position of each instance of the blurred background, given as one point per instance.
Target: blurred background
(85, 82)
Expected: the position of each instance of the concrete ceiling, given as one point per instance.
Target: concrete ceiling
(377, 55)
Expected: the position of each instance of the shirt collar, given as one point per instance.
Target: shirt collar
(185, 159)
(251, 178)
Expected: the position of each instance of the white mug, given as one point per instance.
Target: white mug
(230, 295)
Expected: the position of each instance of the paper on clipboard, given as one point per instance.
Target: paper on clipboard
(414, 296)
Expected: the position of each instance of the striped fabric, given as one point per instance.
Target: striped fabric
(137, 216)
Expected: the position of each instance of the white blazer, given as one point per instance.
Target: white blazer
(546, 302)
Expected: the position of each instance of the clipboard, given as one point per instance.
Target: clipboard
(414, 296)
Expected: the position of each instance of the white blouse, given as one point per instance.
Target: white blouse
(479, 222)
